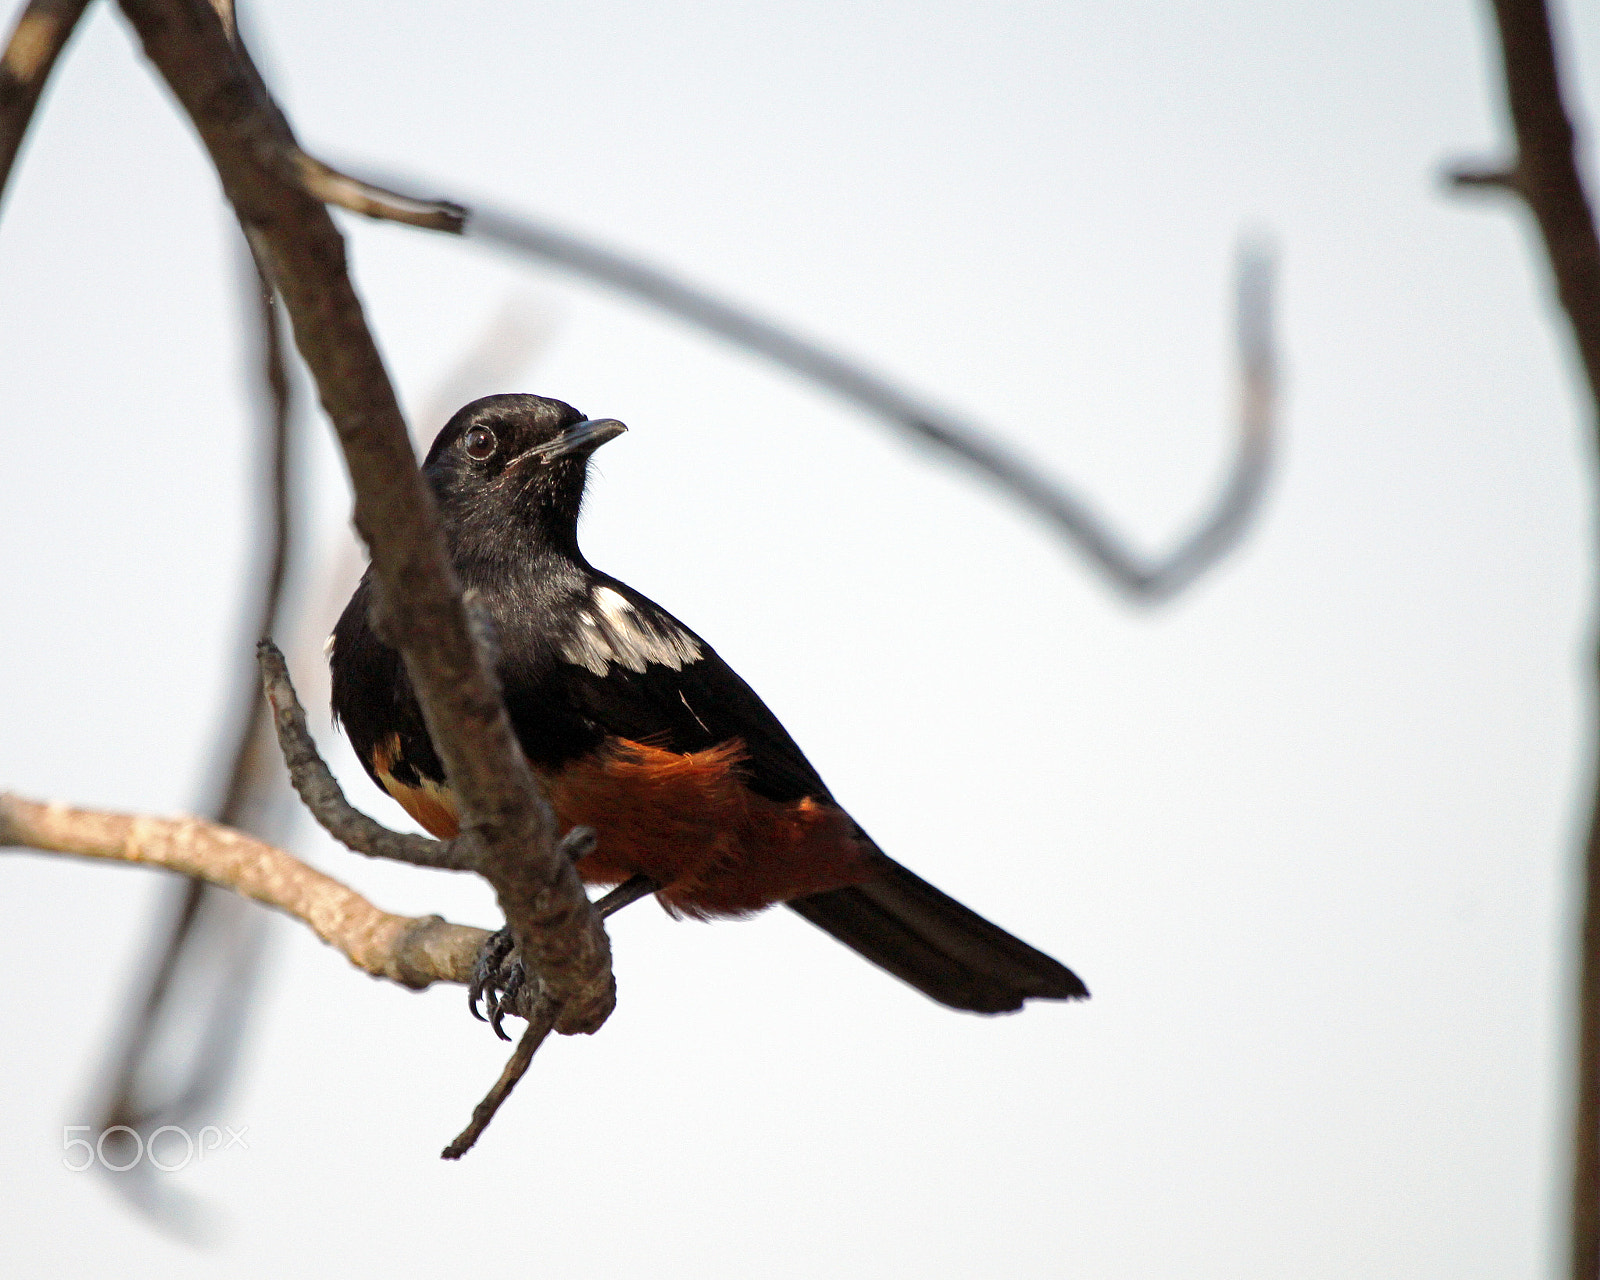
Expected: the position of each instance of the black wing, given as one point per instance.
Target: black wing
(634, 671)
(630, 669)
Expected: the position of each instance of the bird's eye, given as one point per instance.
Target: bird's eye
(480, 443)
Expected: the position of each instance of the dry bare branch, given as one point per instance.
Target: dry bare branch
(323, 795)
(539, 1024)
(1143, 577)
(1545, 174)
(557, 933)
(332, 187)
(413, 951)
(968, 443)
(207, 930)
(42, 31)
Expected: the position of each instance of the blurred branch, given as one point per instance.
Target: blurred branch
(1545, 175)
(252, 756)
(557, 933)
(967, 442)
(206, 930)
(413, 951)
(510, 340)
(211, 938)
(42, 31)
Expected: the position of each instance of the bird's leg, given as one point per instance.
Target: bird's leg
(578, 844)
(630, 890)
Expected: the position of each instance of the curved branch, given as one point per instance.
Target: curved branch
(324, 797)
(42, 31)
(413, 951)
(967, 442)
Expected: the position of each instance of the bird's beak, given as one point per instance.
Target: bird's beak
(580, 438)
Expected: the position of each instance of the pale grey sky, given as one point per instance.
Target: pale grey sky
(1307, 832)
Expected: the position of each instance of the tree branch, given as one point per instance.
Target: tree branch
(207, 930)
(1146, 578)
(1143, 577)
(323, 795)
(413, 951)
(1545, 175)
(558, 934)
(41, 33)
(1545, 172)
(968, 443)
(372, 201)
(539, 1023)
(252, 770)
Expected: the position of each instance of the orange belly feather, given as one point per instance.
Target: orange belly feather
(685, 820)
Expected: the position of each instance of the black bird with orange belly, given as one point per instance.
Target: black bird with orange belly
(640, 731)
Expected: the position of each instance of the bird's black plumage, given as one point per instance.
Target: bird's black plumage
(612, 699)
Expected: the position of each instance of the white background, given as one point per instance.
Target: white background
(1309, 832)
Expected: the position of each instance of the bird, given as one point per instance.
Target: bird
(640, 732)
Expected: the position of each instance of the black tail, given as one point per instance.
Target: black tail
(903, 924)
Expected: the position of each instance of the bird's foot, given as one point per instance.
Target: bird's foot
(497, 978)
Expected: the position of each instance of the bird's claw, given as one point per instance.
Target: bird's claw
(515, 975)
(496, 980)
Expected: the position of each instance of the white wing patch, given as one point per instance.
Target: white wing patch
(617, 632)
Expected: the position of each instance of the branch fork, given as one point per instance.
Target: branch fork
(323, 796)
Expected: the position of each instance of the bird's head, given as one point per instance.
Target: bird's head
(515, 460)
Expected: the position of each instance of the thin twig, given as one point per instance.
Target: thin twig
(321, 181)
(42, 31)
(556, 930)
(625, 894)
(969, 443)
(208, 929)
(332, 187)
(539, 1025)
(1547, 177)
(414, 952)
(252, 771)
(322, 794)
(1143, 577)
(1493, 178)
